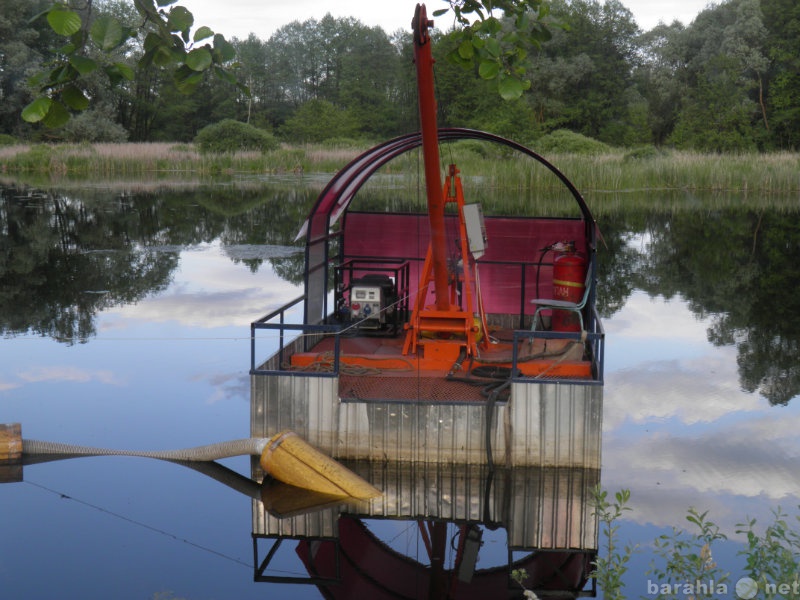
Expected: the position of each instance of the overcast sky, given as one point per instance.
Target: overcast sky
(238, 18)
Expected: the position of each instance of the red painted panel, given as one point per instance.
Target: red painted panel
(515, 242)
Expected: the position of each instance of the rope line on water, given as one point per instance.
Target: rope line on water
(138, 523)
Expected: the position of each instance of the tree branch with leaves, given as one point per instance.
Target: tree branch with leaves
(499, 46)
(168, 37)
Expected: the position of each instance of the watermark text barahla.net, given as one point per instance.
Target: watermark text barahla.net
(746, 588)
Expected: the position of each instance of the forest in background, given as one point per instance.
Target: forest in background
(727, 82)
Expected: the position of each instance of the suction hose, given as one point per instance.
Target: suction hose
(285, 456)
(241, 447)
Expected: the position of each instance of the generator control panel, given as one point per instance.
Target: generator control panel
(372, 301)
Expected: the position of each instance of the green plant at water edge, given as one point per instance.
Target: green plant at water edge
(520, 576)
(609, 569)
(772, 558)
(687, 565)
(684, 565)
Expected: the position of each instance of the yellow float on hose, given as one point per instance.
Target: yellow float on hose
(288, 458)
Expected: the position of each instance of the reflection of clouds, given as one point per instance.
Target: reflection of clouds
(7, 385)
(67, 374)
(741, 465)
(207, 309)
(726, 472)
(656, 319)
(206, 292)
(730, 460)
(678, 430)
(227, 386)
(700, 389)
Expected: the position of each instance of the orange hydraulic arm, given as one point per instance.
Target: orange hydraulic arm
(445, 322)
(423, 58)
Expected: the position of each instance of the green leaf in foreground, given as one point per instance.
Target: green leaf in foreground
(82, 64)
(511, 87)
(180, 19)
(75, 98)
(119, 71)
(63, 22)
(36, 110)
(198, 59)
(57, 116)
(489, 69)
(107, 33)
(202, 33)
(186, 79)
(223, 49)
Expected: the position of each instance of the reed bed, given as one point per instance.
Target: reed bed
(621, 173)
(774, 173)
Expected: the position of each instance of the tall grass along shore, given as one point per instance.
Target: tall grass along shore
(609, 172)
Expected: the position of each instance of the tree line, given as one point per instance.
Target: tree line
(729, 81)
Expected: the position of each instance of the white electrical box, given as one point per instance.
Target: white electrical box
(372, 299)
(476, 229)
(366, 303)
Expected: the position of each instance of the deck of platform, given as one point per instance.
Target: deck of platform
(373, 367)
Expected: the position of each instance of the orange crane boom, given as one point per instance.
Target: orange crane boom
(423, 58)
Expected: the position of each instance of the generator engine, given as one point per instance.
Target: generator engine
(372, 299)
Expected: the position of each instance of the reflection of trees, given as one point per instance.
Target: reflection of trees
(740, 268)
(275, 221)
(66, 257)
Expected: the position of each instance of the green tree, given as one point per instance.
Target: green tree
(339, 61)
(24, 43)
(253, 72)
(782, 21)
(319, 120)
(716, 115)
(582, 76)
(234, 136)
(660, 78)
(723, 54)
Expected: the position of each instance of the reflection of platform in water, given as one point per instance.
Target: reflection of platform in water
(546, 513)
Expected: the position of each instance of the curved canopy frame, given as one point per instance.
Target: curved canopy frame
(337, 195)
(335, 199)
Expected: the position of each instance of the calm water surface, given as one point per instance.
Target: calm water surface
(126, 325)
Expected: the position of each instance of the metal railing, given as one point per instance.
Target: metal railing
(311, 334)
(275, 363)
(594, 338)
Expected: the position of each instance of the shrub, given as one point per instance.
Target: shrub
(7, 140)
(643, 153)
(93, 126)
(563, 141)
(234, 136)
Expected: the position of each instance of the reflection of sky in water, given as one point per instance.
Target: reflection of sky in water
(172, 371)
(679, 432)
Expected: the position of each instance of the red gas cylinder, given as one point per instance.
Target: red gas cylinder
(569, 279)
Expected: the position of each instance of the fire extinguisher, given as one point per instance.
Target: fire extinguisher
(569, 283)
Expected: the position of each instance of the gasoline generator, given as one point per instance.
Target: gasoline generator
(372, 301)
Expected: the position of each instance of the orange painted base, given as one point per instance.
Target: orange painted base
(437, 358)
